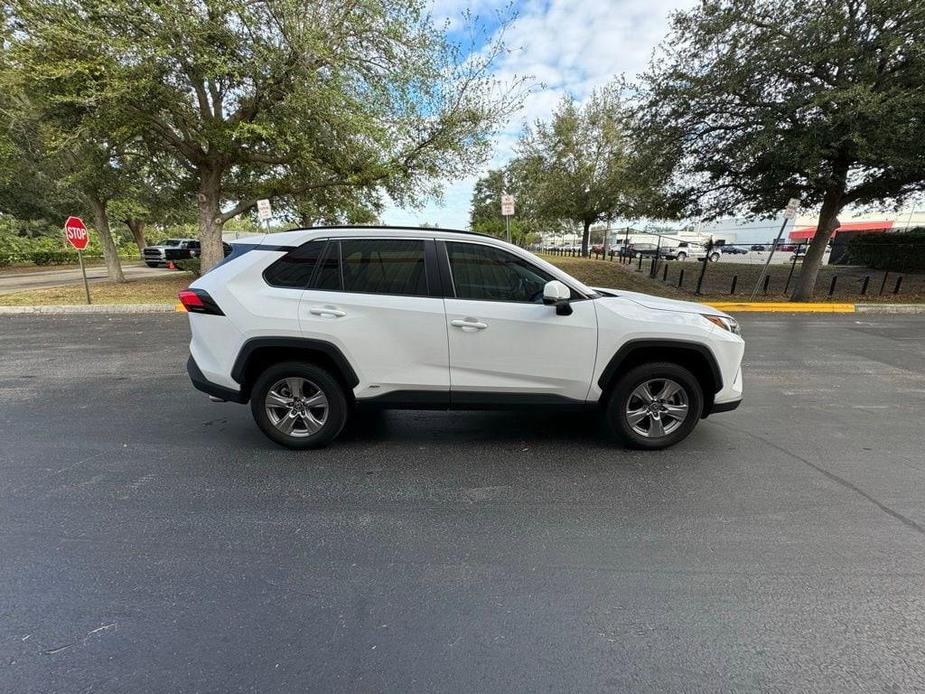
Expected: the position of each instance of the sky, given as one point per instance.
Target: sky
(570, 46)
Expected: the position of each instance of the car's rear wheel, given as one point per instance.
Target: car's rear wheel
(299, 405)
(151, 264)
(682, 256)
(655, 405)
(714, 257)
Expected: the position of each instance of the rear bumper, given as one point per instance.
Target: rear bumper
(200, 382)
(725, 406)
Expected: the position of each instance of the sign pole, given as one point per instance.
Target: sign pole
(83, 271)
(507, 211)
(788, 214)
(264, 212)
(75, 233)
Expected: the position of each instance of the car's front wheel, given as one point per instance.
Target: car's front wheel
(714, 257)
(299, 405)
(655, 405)
(149, 264)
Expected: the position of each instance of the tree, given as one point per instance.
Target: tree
(751, 102)
(576, 167)
(485, 213)
(343, 205)
(74, 157)
(274, 98)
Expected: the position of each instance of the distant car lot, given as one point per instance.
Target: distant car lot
(751, 257)
(154, 539)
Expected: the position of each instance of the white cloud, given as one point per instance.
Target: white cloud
(571, 46)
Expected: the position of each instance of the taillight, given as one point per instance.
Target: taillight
(199, 301)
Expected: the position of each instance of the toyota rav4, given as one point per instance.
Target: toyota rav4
(308, 325)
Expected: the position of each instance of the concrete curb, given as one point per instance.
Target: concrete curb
(93, 308)
(786, 307)
(781, 307)
(890, 308)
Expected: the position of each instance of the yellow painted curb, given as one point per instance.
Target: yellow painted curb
(781, 307)
(180, 308)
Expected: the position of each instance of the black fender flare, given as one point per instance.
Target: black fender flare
(611, 371)
(330, 350)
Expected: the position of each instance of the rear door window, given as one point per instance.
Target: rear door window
(384, 266)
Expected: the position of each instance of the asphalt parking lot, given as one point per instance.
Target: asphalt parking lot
(153, 541)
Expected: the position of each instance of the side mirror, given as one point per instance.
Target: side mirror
(557, 294)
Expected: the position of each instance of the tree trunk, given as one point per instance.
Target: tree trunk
(137, 227)
(209, 201)
(827, 223)
(585, 238)
(110, 252)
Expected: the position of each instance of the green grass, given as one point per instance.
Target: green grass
(160, 290)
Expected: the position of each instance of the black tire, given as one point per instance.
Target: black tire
(324, 381)
(714, 257)
(151, 264)
(682, 257)
(622, 396)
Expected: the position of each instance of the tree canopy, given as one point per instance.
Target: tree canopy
(575, 167)
(277, 98)
(485, 213)
(751, 102)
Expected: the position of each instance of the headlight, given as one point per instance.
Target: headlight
(725, 322)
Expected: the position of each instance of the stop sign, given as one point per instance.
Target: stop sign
(76, 233)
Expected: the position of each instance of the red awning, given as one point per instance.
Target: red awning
(806, 233)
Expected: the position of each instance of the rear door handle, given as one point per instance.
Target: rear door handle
(470, 323)
(328, 311)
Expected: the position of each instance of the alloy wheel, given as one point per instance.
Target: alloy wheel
(296, 406)
(657, 407)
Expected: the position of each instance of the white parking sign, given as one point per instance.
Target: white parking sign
(507, 205)
(263, 210)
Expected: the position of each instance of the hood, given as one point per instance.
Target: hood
(660, 303)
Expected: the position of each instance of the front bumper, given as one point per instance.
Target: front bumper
(200, 382)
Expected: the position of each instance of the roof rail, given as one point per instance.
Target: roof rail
(387, 227)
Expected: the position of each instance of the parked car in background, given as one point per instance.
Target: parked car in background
(685, 250)
(169, 251)
(644, 250)
(758, 247)
(733, 250)
(597, 248)
(798, 254)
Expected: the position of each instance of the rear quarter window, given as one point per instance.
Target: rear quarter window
(294, 270)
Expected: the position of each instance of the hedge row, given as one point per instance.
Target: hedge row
(897, 251)
(50, 257)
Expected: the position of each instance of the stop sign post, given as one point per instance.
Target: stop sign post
(75, 233)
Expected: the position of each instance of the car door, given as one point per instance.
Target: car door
(505, 343)
(379, 301)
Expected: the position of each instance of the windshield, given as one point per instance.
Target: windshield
(171, 242)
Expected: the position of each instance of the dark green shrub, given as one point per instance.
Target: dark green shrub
(190, 265)
(47, 257)
(895, 251)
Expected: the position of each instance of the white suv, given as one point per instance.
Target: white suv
(307, 325)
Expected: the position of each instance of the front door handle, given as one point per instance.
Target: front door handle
(468, 324)
(328, 311)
